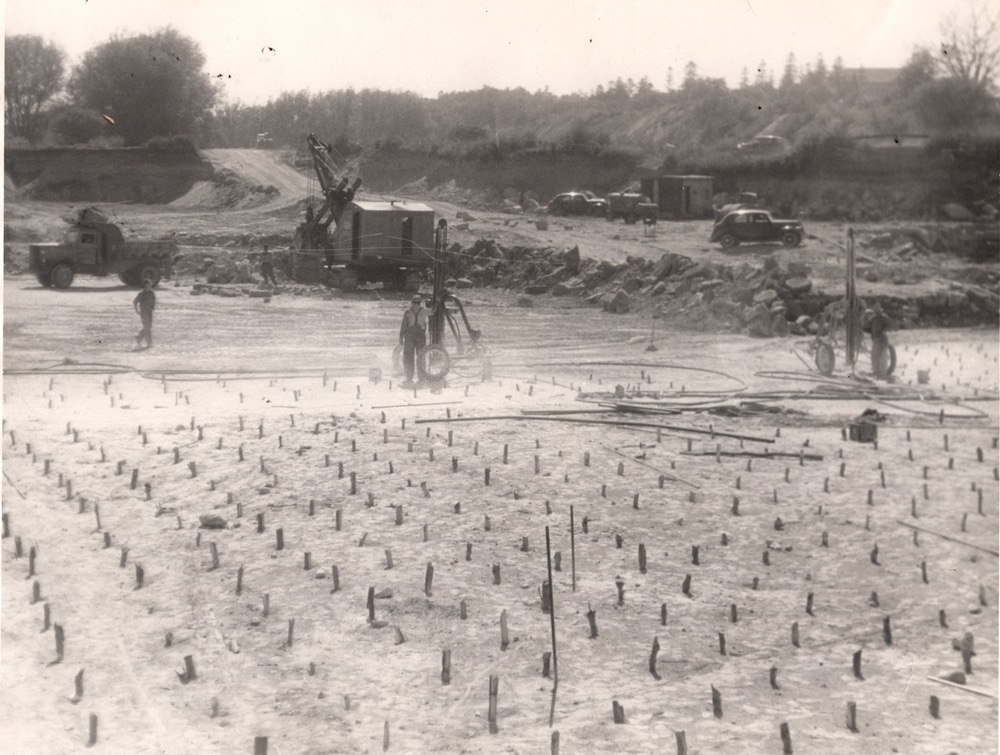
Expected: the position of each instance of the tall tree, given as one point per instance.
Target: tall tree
(970, 49)
(33, 74)
(791, 72)
(149, 85)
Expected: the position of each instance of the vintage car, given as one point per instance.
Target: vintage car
(756, 226)
(577, 203)
(630, 206)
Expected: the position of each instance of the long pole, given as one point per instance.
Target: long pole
(552, 619)
(572, 545)
(552, 607)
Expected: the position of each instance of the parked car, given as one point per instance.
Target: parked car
(742, 226)
(630, 206)
(576, 203)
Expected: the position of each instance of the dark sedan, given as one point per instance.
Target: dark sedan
(756, 226)
(577, 203)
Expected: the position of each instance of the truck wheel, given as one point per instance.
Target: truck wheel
(45, 280)
(728, 241)
(150, 273)
(124, 278)
(790, 238)
(62, 276)
(433, 362)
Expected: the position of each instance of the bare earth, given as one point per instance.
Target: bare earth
(284, 384)
(250, 682)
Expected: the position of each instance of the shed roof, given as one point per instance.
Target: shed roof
(393, 206)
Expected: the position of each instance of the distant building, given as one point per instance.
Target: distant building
(680, 197)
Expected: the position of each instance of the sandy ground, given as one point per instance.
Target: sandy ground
(285, 385)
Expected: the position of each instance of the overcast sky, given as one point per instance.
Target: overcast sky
(264, 48)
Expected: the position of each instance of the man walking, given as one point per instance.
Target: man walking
(412, 336)
(144, 303)
(267, 267)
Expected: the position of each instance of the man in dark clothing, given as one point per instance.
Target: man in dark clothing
(412, 336)
(267, 267)
(144, 303)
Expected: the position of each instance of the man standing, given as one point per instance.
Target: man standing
(267, 267)
(412, 336)
(144, 303)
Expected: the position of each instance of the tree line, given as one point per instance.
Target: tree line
(153, 89)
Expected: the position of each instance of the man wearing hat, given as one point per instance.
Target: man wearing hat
(412, 336)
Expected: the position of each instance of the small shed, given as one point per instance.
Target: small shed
(384, 234)
(680, 196)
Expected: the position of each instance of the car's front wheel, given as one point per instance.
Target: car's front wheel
(791, 238)
(728, 241)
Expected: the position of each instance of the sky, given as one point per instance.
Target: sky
(261, 49)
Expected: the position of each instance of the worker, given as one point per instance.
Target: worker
(267, 267)
(879, 325)
(144, 304)
(412, 336)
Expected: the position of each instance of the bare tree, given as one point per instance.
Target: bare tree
(970, 48)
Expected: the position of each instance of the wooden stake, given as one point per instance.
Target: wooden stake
(774, 678)
(504, 636)
(428, 579)
(618, 712)
(239, 580)
(856, 665)
(786, 740)
(716, 702)
(92, 739)
(852, 717)
(492, 713)
(291, 633)
(935, 707)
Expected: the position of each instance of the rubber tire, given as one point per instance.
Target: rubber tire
(148, 272)
(62, 275)
(890, 353)
(728, 241)
(826, 360)
(433, 363)
(791, 238)
(44, 279)
(124, 278)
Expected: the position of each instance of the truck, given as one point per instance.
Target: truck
(631, 206)
(93, 245)
(349, 242)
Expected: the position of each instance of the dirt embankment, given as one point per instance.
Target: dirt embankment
(104, 175)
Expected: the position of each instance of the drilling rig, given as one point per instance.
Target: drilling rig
(370, 241)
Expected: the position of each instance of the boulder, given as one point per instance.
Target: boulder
(464, 283)
(632, 285)
(954, 211)
(212, 522)
(765, 297)
(565, 289)
(617, 303)
(536, 288)
(524, 301)
(779, 325)
(798, 286)
(461, 226)
(658, 289)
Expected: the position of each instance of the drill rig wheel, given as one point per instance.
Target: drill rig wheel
(433, 362)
